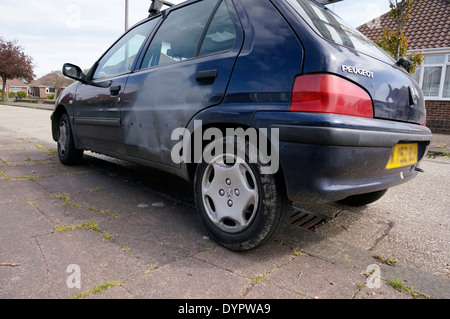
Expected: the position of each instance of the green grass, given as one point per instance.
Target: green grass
(398, 285)
(107, 236)
(385, 260)
(97, 289)
(89, 225)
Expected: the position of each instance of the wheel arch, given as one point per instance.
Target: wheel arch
(223, 126)
(56, 116)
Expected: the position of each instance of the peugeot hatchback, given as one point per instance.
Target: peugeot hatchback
(260, 104)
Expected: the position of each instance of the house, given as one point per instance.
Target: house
(39, 89)
(14, 85)
(51, 83)
(428, 31)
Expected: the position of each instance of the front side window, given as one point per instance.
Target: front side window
(120, 58)
(183, 34)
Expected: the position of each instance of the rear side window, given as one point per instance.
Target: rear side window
(191, 31)
(331, 27)
(221, 33)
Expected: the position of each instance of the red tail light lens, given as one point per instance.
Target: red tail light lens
(327, 93)
(424, 117)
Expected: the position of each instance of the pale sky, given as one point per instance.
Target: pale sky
(54, 32)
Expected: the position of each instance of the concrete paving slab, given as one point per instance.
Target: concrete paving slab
(418, 207)
(251, 263)
(99, 261)
(158, 238)
(65, 212)
(115, 292)
(349, 227)
(75, 182)
(269, 291)
(31, 171)
(317, 278)
(440, 144)
(23, 273)
(357, 260)
(383, 292)
(22, 269)
(189, 278)
(26, 156)
(21, 219)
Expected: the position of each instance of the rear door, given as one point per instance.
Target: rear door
(185, 69)
(98, 103)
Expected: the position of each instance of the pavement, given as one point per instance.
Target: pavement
(109, 229)
(440, 145)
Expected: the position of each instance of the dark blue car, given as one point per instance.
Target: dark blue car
(259, 103)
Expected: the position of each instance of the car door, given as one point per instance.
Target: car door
(185, 69)
(98, 102)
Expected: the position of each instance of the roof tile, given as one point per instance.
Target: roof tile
(427, 28)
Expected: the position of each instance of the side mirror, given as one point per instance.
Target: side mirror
(74, 72)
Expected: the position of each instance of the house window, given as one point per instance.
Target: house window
(15, 89)
(50, 90)
(446, 93)
(434, 76)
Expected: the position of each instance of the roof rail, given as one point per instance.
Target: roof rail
(156, 6)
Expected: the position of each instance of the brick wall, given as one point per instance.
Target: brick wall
(438, 116)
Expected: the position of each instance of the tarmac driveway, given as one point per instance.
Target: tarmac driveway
(126, 231)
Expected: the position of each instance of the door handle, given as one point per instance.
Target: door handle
(207, 76)
(115, 90)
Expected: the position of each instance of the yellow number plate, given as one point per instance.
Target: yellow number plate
(403, 155)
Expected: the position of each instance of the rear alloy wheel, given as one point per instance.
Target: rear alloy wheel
(241, 207)
(67, 153)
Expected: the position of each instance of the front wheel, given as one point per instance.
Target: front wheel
(241, 207)
(67, 153)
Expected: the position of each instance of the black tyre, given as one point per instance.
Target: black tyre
(363, 199)
(241, 207)
(68, 154)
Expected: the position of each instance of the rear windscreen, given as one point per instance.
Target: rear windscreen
(327, 24)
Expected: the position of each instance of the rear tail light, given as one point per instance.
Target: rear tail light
(327, 93)
(424, 117)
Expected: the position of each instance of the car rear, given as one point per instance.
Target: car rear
(356, 121)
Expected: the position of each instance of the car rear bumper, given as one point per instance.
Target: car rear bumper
(327, 157)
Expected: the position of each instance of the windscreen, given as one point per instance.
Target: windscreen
(328, 25)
